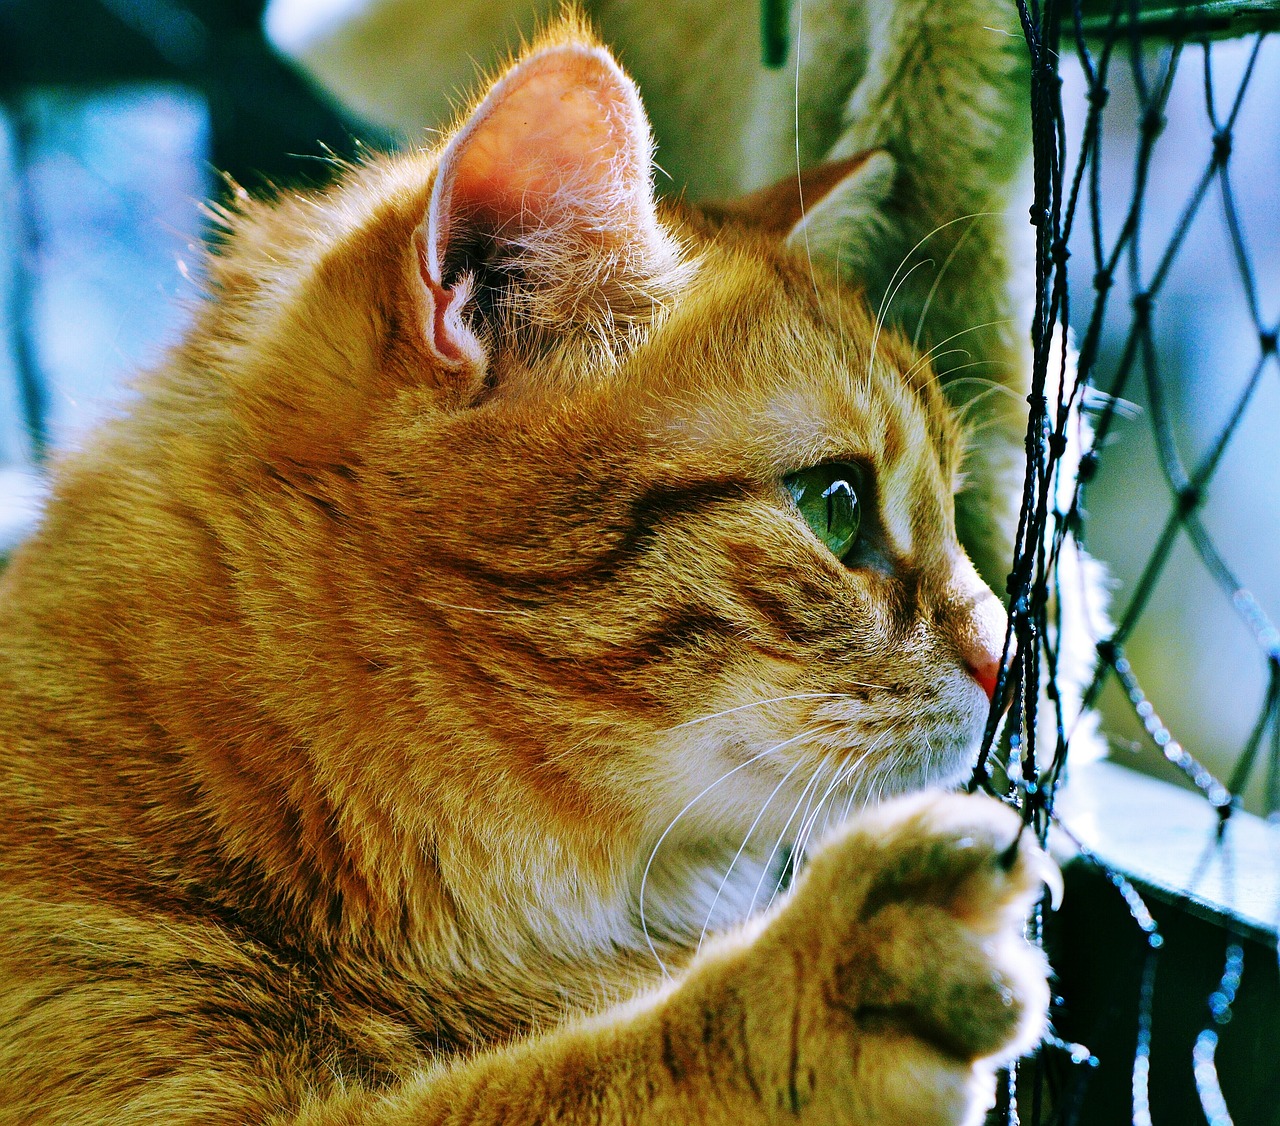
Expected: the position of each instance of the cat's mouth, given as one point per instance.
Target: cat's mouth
(837, 747)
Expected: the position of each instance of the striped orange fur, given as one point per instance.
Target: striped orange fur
(392, 702)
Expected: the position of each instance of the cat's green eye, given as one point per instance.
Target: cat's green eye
(827, 496)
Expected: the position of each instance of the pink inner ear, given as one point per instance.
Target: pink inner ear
(560, 143)
(560, 139)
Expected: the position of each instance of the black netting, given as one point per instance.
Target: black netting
(1120, 354)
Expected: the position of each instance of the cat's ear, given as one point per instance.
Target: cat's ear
(831, 209)
(545, 188)
(852, 213)
(780, 207)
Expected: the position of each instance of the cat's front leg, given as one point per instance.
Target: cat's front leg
(885, 992)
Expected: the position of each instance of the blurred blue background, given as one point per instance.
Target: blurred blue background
(1199, 664)
(118, 118)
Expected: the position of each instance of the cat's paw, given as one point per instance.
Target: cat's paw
(934, 890)
(907, 932)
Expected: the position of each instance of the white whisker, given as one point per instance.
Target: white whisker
(774, 700)
(729, 871)
(848, 803)
(949, 352)
(946, 265)
(991, 388)
(783, 833)
(842, 772)
(806, 830)
(844, 354)
(886, 303)
(982, 381)
(907, 258)
(975, 430)
(881, 776)
(954, 336)
(804, 227)
(854, 790)
(803, 818)
(846, 771)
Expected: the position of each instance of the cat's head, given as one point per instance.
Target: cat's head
(609, 508)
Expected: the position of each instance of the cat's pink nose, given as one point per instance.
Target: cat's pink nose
(982, 642)
(986, 672)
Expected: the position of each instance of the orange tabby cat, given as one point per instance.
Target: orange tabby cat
(499, 581)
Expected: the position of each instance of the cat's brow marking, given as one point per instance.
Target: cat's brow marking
(646, 512)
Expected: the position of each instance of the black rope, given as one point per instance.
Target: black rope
(775, 32)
